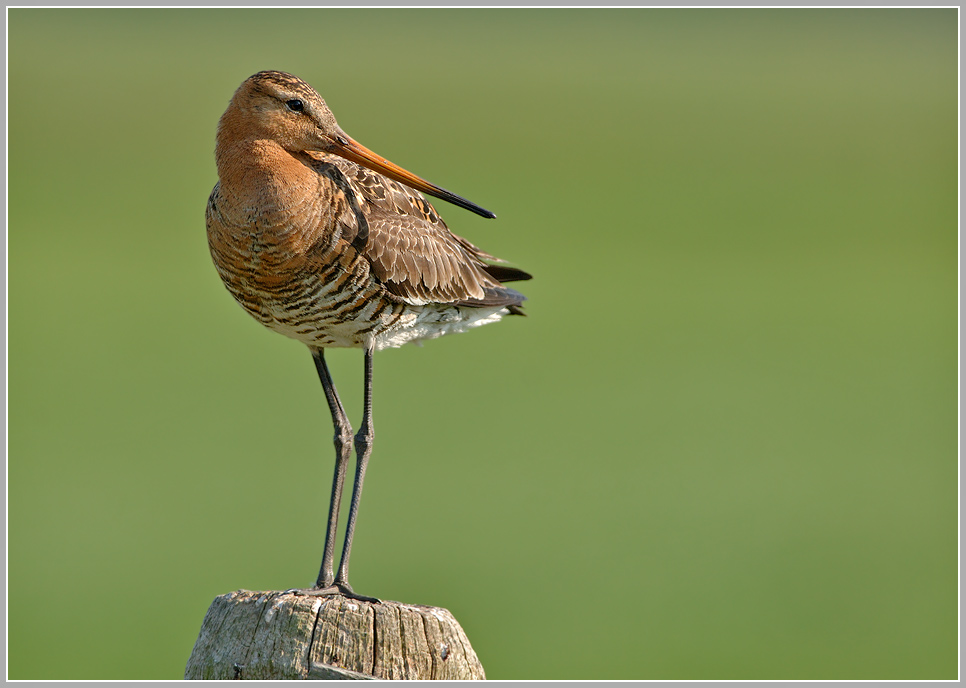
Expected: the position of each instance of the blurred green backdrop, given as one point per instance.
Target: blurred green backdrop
(722, 446)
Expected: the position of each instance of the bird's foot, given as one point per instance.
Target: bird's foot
(337, 588)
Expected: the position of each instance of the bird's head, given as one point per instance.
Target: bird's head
(280, 107)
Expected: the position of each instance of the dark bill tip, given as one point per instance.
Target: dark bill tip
(351, 149)
(449, 197)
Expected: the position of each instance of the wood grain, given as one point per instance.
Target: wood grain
(287, 635)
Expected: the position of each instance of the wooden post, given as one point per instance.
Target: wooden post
(278, 635)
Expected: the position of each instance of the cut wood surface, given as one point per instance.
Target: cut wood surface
(285, 635)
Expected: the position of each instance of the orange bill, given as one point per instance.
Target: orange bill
(350, 149)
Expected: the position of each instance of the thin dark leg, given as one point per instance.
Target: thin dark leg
(327, 583)
(363, 443)
(343, 450)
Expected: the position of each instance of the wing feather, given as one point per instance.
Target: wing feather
(414, 254)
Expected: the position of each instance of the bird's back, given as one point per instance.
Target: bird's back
(335, 255)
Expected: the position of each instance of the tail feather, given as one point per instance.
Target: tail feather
(502, 273)
(504, 296)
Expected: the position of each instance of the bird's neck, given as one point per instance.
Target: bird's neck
(271, 199)
(260, 174)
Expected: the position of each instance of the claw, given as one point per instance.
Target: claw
(336, 589)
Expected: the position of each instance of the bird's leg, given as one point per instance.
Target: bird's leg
(363, 442)
(327, 583)
(343, 449)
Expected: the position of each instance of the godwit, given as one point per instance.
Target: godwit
(319, 248)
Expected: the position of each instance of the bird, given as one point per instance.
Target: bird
(324, 241)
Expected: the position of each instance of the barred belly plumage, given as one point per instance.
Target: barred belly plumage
(341, 306)
(350, 311)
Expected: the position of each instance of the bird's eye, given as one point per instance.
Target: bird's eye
(295, 105)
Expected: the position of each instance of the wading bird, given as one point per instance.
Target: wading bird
(320, 239)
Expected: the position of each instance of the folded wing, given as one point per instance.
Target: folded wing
(414, 254)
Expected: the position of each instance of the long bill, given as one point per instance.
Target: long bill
(350, 149)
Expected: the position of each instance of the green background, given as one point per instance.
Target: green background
(723, 445)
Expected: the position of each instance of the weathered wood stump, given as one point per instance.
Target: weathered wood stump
(278, 635)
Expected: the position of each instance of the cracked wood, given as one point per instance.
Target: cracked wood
(278, 635)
